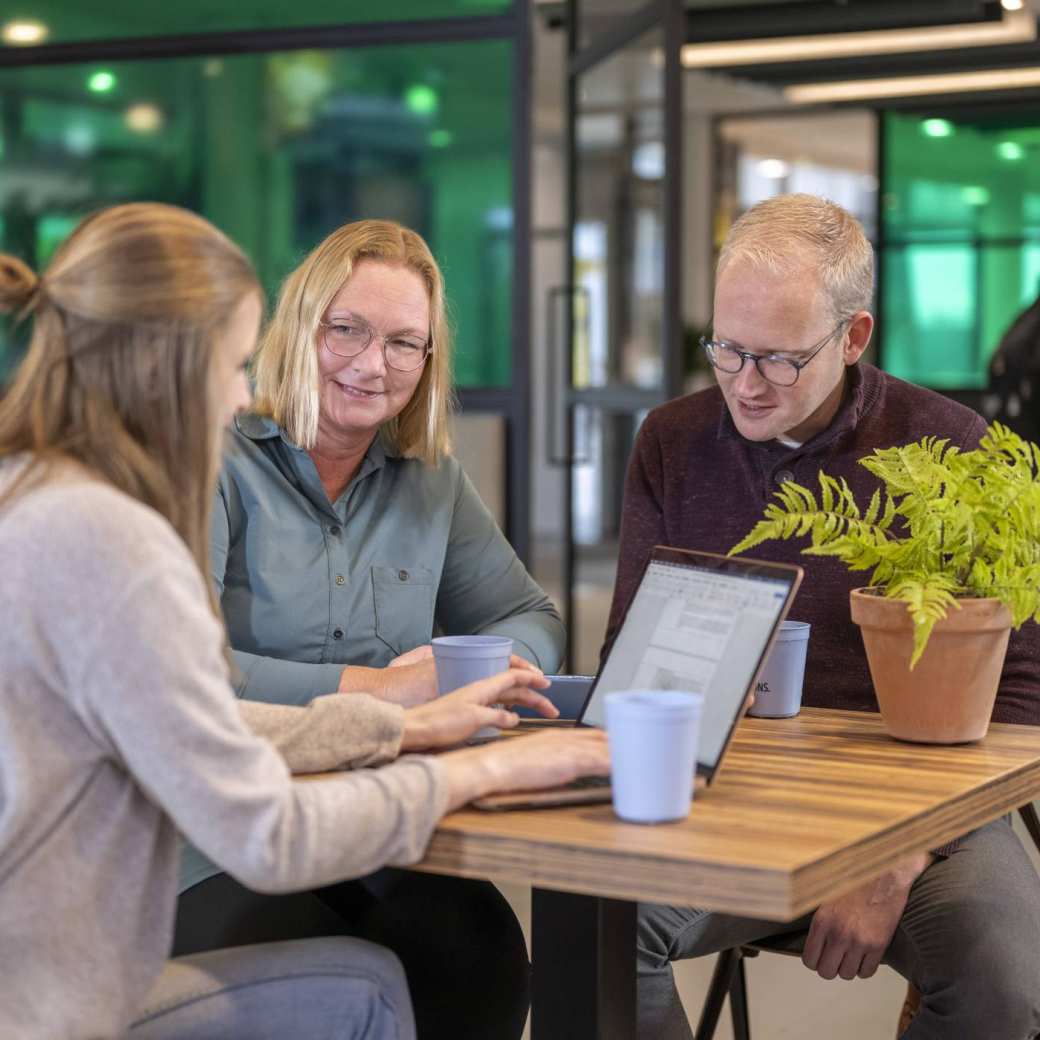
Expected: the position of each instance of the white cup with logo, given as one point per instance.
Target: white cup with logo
(778, 688)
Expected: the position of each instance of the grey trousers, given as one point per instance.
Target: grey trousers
(969, 940)
(318, 989)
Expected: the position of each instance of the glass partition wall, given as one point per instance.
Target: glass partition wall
(961, 239)
(619, 354)
(281, 123)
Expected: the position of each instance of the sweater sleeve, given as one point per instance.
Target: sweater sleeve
(152, 691)
(642, 521)
(339, 731)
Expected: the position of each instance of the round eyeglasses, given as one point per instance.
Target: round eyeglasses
(773, 368)
(348, 338)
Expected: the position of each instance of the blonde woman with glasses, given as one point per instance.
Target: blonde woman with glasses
(344, 535)
(118, 726)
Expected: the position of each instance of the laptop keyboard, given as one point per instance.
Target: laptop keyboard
(588, 781)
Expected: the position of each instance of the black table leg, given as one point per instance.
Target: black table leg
(584, 967)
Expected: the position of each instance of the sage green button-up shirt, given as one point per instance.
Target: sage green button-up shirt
(407, 551)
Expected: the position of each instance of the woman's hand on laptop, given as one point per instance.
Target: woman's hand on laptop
(408, 680)
(455, 716)
(526, 764)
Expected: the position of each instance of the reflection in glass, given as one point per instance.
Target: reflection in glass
(115, 19)
(619, 234)
(962, 241)
(597, 17)
(279, 149)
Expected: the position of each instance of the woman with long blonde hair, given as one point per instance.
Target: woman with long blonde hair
(118, 727)
(346, 535)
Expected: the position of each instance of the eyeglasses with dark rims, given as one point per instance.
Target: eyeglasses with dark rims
(773, 368)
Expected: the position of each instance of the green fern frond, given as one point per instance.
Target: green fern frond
(944, 523)
(928, 597)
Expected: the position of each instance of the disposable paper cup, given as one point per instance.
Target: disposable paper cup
(653, 752)
(461, 660)
(778, 690)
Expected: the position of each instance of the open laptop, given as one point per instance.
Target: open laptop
(697, 622)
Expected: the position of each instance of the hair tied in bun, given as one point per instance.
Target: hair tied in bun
(20, 288)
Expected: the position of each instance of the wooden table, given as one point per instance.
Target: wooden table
(802, 811)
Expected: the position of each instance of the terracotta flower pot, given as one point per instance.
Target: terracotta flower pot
(948, 697)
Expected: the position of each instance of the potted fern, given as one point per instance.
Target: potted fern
(953, 543)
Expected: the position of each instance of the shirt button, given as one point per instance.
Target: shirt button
(340, 579)
(784, 476)
(402, 575)
(338, 634)
(334, 531)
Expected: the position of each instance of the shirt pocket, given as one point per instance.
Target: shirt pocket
(403, 599)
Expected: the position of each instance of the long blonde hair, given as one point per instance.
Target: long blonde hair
(286, 365)
(118, 374)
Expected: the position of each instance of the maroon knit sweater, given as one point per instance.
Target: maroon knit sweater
(694, 482)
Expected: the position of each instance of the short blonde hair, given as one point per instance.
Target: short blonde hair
(119, 371)
(286, 365)
(788, 232)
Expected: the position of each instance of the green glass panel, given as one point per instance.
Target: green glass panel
(278, 150)
(70, 20)
(961, 216)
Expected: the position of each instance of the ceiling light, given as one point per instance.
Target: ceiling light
(774, 169)
(143, 118)
(1015, 27)
(421, 99)
(1010, 151)
(23, 32)
(1011, 5)
(937, 128)
(914, 86)
(101, 82)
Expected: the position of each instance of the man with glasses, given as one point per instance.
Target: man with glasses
(791, 323)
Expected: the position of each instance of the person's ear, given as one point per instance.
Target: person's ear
(857, 336)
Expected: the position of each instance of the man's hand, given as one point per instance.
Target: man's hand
(406, 684)
(416, 656)
(849, 936)
(452, 718)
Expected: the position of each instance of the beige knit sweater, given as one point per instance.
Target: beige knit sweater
(118, 729)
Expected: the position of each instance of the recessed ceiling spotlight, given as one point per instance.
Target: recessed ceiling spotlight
(937, 128)
(143, 117)
(1010, 151)
(101, 82)
(24, 32)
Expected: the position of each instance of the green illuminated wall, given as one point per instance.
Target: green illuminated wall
(961, 241)
(280, 148)
(69, 21)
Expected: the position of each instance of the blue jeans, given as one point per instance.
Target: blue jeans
(321, 989)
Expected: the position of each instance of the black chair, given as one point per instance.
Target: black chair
(730, 977)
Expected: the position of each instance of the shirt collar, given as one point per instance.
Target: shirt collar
(263, 428)
(863, 392)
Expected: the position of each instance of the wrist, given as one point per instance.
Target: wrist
(417, 735)
(910, 868)
(471, 773)
(357, 678)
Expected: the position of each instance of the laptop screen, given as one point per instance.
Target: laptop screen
(702, 626)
